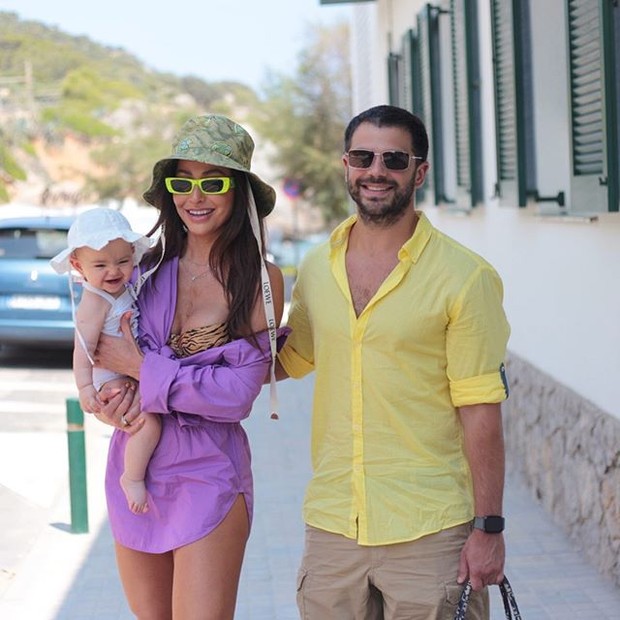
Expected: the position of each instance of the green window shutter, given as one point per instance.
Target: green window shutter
(417, 85)
(400, 73)
(466, 89)
(586, 97)
(505, 105)
(459, 86)
(410, 94)
(592, 58)
(409, 44)
(611, 60)
(393, 82)
(514, 107)
(427, 94)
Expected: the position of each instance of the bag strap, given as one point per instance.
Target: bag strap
(461, 608)
(508, 598)
(268, 304)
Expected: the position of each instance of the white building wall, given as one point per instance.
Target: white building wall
(561, 278)
(562, 291)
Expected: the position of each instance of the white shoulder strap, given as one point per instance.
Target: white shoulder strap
(267, 303)
(92, 289)
(143, 277)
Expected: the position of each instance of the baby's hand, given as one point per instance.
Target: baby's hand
(89, 401)
(113, 387)
(121, 405)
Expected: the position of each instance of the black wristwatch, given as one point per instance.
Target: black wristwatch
(491, 524)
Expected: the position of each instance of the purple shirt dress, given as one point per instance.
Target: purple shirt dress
(202, 460)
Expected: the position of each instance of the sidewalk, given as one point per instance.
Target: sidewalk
(65, 576)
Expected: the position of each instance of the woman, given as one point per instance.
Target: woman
(207, 336)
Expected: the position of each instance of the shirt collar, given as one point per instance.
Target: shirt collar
(340, 235)
(412, 248)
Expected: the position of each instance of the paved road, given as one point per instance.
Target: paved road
(49, 573)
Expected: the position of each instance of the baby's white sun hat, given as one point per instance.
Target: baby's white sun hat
(94, 229)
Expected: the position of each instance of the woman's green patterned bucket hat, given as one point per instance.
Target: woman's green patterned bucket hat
(214, 139)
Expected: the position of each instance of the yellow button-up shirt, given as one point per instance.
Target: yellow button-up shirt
(387, 446)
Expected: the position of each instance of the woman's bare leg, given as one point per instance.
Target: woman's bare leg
(147, 582)
(206, 572)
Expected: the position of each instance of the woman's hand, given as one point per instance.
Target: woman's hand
(120, 406)
(122, 354)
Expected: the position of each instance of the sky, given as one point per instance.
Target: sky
(216, 40)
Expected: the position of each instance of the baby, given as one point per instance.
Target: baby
(104, 249)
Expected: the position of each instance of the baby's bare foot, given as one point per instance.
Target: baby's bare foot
(135, 492)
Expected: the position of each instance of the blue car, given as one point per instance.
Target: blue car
(35, 302)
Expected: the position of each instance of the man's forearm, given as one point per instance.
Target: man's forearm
(484, 450)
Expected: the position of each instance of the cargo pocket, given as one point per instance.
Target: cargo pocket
(453, 594)
(478, 606)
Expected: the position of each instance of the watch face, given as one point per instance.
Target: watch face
(491, 524)
(494, 525)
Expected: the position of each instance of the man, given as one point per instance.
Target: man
(406, 332)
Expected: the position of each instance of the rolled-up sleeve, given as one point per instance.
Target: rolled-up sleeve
(476, 340)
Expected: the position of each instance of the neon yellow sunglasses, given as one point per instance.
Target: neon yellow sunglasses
(208, 185)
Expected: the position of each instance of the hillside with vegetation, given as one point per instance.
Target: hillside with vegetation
(81, 122)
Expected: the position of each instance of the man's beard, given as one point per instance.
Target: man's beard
(378, 212)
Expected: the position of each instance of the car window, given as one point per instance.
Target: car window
(31, 242)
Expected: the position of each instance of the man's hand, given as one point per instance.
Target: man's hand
(482, 560)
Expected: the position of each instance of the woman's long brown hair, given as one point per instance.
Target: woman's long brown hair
(234, 258)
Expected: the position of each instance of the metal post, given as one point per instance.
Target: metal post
(77, 466)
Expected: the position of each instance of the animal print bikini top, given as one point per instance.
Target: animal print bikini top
(200, 339)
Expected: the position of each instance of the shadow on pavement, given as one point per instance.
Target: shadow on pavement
(31, 357)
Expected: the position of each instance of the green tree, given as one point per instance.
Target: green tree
(305, 116)
(60, 85)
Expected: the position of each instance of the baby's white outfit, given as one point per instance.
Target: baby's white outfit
(112, 325)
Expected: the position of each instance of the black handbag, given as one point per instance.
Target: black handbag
(508, 598)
